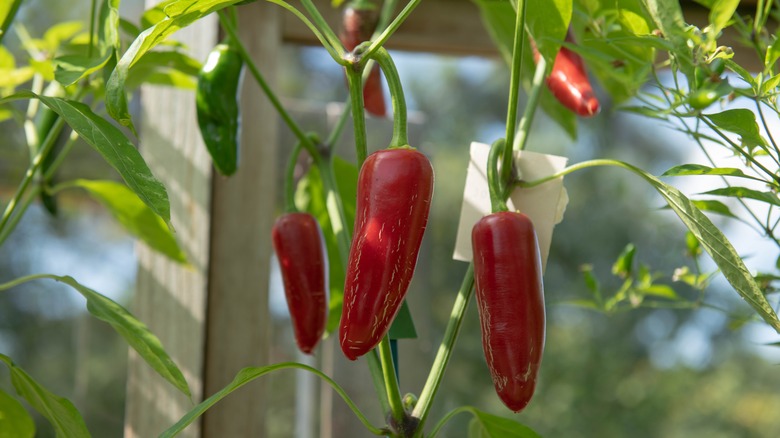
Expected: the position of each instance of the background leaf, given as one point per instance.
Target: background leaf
(493, 426)
(698, 169)
(178, 15)
(746, 193)
(60, 412)
(15, 421)
(740, 121)
(135, 216)
(113, 145)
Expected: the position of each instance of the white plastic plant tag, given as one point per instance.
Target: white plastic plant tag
(544, 204)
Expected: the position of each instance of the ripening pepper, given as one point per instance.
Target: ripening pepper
(393, 199)
(510, 299)
(300, 248)
(217, 105)
(358, 22)
(569, 82)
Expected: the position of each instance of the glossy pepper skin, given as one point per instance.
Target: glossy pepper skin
(393, 199)
(300, 248)
(357, 25)
(569, 82)
(510, 298)
(216, 100)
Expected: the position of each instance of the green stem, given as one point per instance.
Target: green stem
(289, 180)
(9, 18)
(514, 91)
(66, 148)
(92, 9)
(336, 52)
(324, 28)
(47, 146)
(355, 81)
(388, 7)
(11, 226)
(338, 129)
(530, 107)
(25, 279)
(447, 418)
(288, 120)
(766, 128)
(424, 403)
(391, 383)
(400, 134)
(495, 183)
(387, 33)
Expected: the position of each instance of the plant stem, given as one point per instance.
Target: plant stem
(289, 180)
(334, 53)
(338, 129)
(495, 184)
(766, 128)
(391, 383)
(47, 146)
(425, 401)
(288, 120)
(11, 226)
(447, 418)
(25, 279)
(92, 10)
(9, 18)
(514, 91)
(355, 81)
(530, 107)
(400, 134)
(397, 22)
(323, 26)
(66, 148)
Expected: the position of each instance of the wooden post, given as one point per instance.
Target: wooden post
(212, 317)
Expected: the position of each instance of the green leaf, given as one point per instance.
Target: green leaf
(698, 169)
(721, 13)
(403, 325)
(179, 14)
(108, 28)
(60, 32)
(659, 290)
(113, 145)
(63, 416)
(692, 244)
(13, 77)
(134, 331)
(714, 207)
(15, 421)
(745, 193)
(772, 54)
(668, 17)
(135, 216)
(155, 14)
(741, 122)
(623, 266)
(164, 68)
(69, 69)
(717, 246)
(493, 426)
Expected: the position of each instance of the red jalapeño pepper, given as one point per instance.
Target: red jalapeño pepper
(393, 199)
(300, 248)
(357, 25)
(510, 298)
(569, 82)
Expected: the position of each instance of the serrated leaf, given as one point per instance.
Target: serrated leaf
(178, 15)
(62, 415)
(740, 121)
(113, 145)
(134, 331)
(135, 216)
(717, 246)
(494, 426)
(15, 421)
(745, 193)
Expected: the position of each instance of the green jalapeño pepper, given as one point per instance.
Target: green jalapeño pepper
(216, 100)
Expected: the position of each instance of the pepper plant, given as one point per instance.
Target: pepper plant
(629, 46)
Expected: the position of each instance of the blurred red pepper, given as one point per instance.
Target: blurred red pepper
(358, 23)
(393, 200)
(510, 298)
(569, 82)
(300, 248)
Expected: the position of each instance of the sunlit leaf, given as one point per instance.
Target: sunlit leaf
(623, 266)
(69, 69)
(15, 421)
(740, 121)
(746, 193)
(721, 13)
(135, 216)
(113, 145)
(179, 14)
(493, 426)
(62, 415)
(698, 169)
